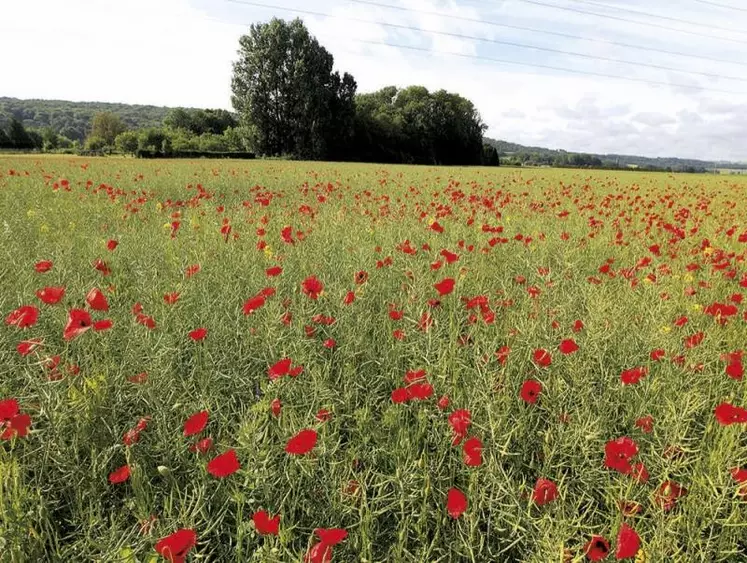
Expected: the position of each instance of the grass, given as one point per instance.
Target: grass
(56, 503)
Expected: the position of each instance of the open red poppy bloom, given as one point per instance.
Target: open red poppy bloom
(13, 423)
(265, 525)
(628, 542)
(275, 407)
(321, 552)
(545, 491)
(740, 476)
(472, 450)
(727, 414)
(312, 287)
(171, 298)
(542, 358)
(224, 465)
(597, 548)
(120, 475)
(111, 245)
(618, 453)
(198, 334)
(253, 303)
(26, 347)
(273, 271)
(23, 317)
(445, 286)
(456, 503)
(196, 423)
(460, 421)
(568, 346)
(174, 548)
(51, 295)
(78, 322)
(633, 376)
(202, 446)
(43, 266)
(97, 300)
(530, 391)
(667, 494)
(302, 443)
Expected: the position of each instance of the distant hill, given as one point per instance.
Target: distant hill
(73, 119)
(512, 152)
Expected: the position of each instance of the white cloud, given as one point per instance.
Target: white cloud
(179, 52)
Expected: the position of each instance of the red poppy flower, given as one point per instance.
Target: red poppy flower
(112, 244)
(460, 421)
(568, 346)
(694, 340)
(78, 322)
(321, 552)
(727, 414)
(542, 358)
(312, 287)
(171, 298)
(618, 453)
(273, 271)
(530, 391)
(597, 548)
(265, 525)
(399, 395)
(198, 334)
(456, 503)
(104, 324)
(8, 409)
(196, 423)
(283, 367)
(51, 295)
(330, 343)
(628, 542)
(399, 334)
(275, 407)
(667, 494)
(578, 326)
(224, 465)
(657, 355)
(349, 298)
(23, 317)
(420, 391)
(545, 491)
(202, 446)
(361, 277)
(443, 403)
(740, 476)
(646, 424)
(102, 267)
(192, 270)
(138, 378)
(323, 415)
(472, 450)
(25, 347)
(445, 286)
(253, 303)
(735, 370)
(15, 426)
(43, 266)
(302, 443)
(120, 475)
(633, 376)
(174, 548)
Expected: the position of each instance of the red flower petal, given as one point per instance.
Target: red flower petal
(196, 423)
(456, 503)
(224, 465)
(302, 443)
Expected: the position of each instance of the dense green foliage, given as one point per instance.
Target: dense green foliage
(532, 253)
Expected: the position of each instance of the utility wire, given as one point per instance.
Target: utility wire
(656, 16)
(725, 6)
(637, 22)
(550, 67)
(486, 40)
(556, 33)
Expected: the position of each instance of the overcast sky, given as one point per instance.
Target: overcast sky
(179, 53)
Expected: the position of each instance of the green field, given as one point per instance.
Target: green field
(631, 284)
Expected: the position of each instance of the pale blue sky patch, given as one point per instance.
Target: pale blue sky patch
(179, 52)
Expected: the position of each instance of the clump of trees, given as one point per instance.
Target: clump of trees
(288, 95)
(14, 136)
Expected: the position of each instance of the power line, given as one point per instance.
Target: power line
(657, 16)
(487, 40)
(725, 6)
(556, 33)
(617, 18)
(549, 67)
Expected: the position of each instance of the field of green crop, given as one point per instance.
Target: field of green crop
(293, 361)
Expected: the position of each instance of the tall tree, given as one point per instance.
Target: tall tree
(107, 125)
(283, 86)
(19, 137)
(4, 139)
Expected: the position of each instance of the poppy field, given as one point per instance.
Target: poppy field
(291, 361)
